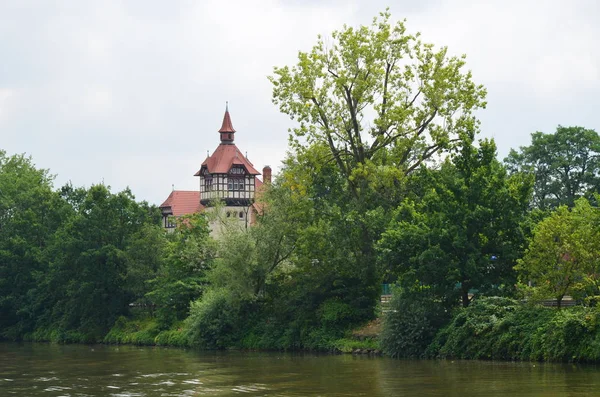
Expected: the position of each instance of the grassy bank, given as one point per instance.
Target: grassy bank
(146, 331)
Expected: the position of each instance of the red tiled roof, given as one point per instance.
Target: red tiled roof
(227, 126)
(183, 202)
(224, 157)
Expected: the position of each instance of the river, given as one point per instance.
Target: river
(121, 371)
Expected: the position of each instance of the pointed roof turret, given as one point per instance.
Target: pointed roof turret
(227, 126)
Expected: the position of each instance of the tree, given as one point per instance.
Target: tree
(85, 288)
(30, 213)
(563, 255)
(145, 255)
(566, 165)
(375, 103)
(378, 89)
(181, 277)
(464, 232)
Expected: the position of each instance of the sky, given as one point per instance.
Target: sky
(131, 93)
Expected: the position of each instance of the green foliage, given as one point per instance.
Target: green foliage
(84, 289)
(466, 335)
(181, 275)
(411, 322)
(133, 331)
(503, 329)
(463, 231)
(566, 165)
(145, 256)
(214, 320)
(145, 331)
(30, 213)
(348, 345)
(562, 256)
(377, 88)
(60, 335)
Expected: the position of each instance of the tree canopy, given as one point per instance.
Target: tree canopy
(464, 231)
(566, 165)
(562, 257)
(376, 89)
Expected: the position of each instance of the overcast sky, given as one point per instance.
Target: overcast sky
(132, 93)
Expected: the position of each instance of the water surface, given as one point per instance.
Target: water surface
(120, 371)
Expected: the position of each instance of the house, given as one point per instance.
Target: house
(179, 202)
(226, 175)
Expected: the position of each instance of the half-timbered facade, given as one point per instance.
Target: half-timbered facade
(225, 175)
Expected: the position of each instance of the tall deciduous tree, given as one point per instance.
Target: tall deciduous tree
(374, 89)
(464, 232)
(563, 256)
(30, 212)
(85, 288)
(566, 165)
(381, 103)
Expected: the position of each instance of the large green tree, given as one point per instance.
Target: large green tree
(377, 88)
(30, 213)
(563, 256)
(566, 165)
(464, 231)
(85, 288)
(372, 105)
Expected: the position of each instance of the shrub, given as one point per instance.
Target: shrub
(500, 328)
(411, 323)
(213, 319)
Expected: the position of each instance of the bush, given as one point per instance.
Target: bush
(500, 328)
(411, 323)
(213, 320)
(133, 331)
(468, 334)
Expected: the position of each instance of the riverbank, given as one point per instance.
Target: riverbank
(499, 329)
(506, 329)
(146, 332)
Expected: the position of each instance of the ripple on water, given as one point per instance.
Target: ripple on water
(192, 382)
(164, 383)
(57, 388)
(250, 388)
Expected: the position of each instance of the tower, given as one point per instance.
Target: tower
(229, 176)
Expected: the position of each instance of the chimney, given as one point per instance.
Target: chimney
(266, 174)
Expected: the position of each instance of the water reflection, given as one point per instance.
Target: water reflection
(53, 370)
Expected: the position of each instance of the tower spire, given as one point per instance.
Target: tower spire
(227, 130)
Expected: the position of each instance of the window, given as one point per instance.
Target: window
(170, 222)
(241, 214)
(207, 184)
(235, 184)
